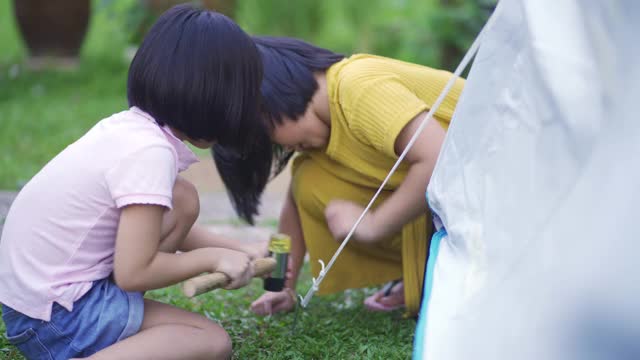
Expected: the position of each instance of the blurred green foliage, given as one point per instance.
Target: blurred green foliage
(431, 32)
(42, 112)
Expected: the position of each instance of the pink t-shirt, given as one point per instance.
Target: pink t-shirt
(59, 235)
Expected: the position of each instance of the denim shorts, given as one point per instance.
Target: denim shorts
(103, 316)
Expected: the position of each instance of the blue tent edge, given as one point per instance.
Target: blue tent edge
(419, 342)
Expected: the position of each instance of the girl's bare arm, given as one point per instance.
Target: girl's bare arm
(139, 266)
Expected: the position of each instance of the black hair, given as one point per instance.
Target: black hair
(200, 73)
(288, 85)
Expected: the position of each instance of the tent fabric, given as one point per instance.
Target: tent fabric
(538, 188)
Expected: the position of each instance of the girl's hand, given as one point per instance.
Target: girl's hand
(256, 249)
(236, 265)
(274, 302)
(342, 214)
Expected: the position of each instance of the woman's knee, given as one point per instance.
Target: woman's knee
(313, 187)
(308, 186)
(186, 202)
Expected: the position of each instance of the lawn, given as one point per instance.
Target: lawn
(41, 113)
(332, 327)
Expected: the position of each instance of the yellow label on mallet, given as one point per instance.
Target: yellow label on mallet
(280, 243)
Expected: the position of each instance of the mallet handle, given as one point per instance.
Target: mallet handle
(203, 283)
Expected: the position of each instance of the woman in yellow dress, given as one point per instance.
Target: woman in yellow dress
(348, 119)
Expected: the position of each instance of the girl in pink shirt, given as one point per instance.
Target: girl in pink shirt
(102, 222)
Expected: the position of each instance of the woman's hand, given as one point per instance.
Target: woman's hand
(236, 265)
(274, 302)
(342, 214)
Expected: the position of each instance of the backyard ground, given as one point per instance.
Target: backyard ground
(41, 113)
(334, 327)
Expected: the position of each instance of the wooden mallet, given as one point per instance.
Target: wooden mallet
(204, 283)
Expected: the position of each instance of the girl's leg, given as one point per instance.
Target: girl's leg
(168, 332)
(177, 222)
(171, 333)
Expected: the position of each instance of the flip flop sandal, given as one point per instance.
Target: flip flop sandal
(371, 303)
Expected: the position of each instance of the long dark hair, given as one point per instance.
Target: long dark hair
(288, 85)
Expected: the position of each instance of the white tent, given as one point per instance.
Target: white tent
(537, 191)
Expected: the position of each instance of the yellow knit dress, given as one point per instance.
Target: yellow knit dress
(371, 100)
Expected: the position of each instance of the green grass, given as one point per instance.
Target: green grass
(332, 327)
(6, 350)
(42, 112)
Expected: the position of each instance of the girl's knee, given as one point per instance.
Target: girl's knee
(219, 341)
(186, 202)
(225, 347)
